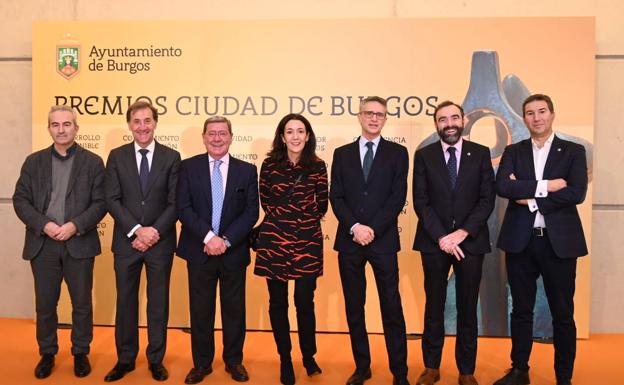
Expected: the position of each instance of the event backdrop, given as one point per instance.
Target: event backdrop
(254, 72)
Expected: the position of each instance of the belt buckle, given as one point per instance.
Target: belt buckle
(538, 231)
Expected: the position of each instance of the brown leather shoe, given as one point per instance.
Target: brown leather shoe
(467, 379)
(429, 377)
(238, 372)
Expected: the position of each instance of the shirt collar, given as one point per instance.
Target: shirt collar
(457, 145)
(363, 141)
(150, 147)
(547, 143)
(225, 159)
(70, 152)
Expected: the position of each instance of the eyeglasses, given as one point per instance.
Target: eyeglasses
(220, 134)
(370, 114)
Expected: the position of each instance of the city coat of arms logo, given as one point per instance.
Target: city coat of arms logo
(68, 60)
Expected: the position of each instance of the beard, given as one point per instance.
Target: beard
(450, 138)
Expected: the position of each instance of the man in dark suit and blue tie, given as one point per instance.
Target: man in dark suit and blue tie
(544, 178)
(368, 191)
(453, 193)
(217, 203)
(141, 179)
(60, 198)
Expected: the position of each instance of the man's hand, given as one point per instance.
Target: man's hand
(52, 230)
(450, 243)
(138, 245)
(147, 235)
(66, 231)
(215, 246)
(363, 235)
(556, 185)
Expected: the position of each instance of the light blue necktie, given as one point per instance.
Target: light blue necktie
(217, 196)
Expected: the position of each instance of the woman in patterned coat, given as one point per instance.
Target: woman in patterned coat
(293, 194)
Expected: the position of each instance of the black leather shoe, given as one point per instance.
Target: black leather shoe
(45, 365)
(312, 368)
(287, 373)
(514, 377)
(159, 372)
(402, 380)
(118, 371)
(358, 377)
(196, 375)
(238, 372)
(82, 367)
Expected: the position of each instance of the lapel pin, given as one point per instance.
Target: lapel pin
(559, 149)
(468, 154)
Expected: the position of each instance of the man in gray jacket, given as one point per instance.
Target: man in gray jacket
(60, 198)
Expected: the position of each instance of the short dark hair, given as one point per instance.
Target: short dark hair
(539, 97)
(377, 99)
(217, 119)
(139, 105)
(279, 151)
(443, 104)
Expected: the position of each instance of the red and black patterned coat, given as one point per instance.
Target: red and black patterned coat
(294, 199)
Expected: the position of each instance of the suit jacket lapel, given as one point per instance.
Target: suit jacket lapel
(130, 163)
(556, 149)
(75, 171)
(158, 163)
(354, 158)
(205, 181)
(46, 165)
(230, 187)
(526, 152)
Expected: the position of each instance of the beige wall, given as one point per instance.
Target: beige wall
(608, 215)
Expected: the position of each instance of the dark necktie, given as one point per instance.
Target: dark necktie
(143, 170)
(217, 195)
(451, 165)
(368, 160)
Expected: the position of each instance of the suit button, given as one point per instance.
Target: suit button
(365, 193)
(142, 203)
(361, 210)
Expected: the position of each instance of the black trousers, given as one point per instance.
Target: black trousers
(306, 320)
(203, 280)
(559, 275)
(353, 278)
(50, 268)
(436, 267)
(128, 277)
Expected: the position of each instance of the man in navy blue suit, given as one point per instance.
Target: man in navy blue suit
(368, 191)
(453, 193)
(217, 202)
(544, 178)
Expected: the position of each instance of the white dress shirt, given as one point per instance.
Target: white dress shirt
(225, 162)
(539, 161)
(150, 155)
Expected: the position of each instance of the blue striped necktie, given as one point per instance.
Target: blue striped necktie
(217, 196)
(452, 166)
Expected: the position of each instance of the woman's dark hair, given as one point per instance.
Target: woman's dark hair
(279, 152)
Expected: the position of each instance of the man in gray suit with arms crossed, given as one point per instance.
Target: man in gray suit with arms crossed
(60, 198)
